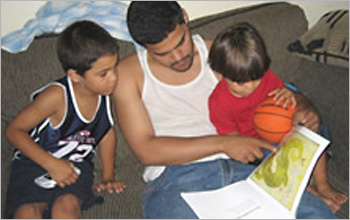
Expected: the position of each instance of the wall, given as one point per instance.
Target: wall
(14, 14)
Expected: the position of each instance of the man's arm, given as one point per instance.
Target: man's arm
(152, 150)
(307, 113)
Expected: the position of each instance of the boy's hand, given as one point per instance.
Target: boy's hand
(284, 94)
(63, 173)
(110, 186)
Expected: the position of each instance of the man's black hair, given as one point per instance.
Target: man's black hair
(82, 43)
(150, 22)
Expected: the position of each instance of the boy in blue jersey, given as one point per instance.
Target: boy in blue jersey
(55, 136)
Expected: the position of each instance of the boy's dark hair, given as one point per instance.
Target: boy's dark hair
(239, 54)
(82, 43)
(151, 22)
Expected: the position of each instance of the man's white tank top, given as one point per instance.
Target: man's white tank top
(179, 110)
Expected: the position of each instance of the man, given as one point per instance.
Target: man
(161, 102)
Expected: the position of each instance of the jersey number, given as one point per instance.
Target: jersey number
(80, 151)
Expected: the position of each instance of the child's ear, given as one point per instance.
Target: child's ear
(74, 76)
(184, 14)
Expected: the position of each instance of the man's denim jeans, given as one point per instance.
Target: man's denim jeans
(162, 197)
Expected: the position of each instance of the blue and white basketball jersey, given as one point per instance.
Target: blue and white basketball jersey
(75, 138)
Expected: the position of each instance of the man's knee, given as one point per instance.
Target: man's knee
(66, 206)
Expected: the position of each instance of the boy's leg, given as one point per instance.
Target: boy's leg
(30, 211)
(325, 191)
(22, 189)
(80, 194)
(23, 194)
(66, 206)
(312, 207)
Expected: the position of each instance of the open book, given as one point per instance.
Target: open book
(273, 190)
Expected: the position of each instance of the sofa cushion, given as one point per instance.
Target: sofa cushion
(26, 71)
(327, 41)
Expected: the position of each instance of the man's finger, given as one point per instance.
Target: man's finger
(257, 154)
(267, 146)
(298, 119)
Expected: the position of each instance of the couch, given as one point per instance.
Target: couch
(280, 24)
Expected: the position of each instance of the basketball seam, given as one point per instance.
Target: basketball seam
(269, 113)
(272, 132)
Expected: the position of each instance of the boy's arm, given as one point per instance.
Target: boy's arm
(44, 106)
(107, 148)
(107, 153)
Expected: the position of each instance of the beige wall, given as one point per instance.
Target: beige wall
(14, 14)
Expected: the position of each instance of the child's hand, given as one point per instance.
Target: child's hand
(284, 94)
(110, 186)
(63, 173)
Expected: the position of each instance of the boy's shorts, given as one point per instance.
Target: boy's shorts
(22, 189)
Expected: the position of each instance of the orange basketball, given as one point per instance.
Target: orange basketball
(272, 122)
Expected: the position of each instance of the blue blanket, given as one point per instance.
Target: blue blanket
(54, 16)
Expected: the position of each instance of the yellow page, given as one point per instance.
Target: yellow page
(285, 173)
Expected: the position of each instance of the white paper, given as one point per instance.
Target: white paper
(236, 201)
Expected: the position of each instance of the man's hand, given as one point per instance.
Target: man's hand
(246, 149)
(307, 114)
(307, 118)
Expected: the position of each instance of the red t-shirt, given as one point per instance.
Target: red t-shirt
(233, 114)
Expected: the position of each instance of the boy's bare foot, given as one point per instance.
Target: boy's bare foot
(331, 203)
(334, 206)
(330, 193)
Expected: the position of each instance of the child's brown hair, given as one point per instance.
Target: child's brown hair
(239, 54)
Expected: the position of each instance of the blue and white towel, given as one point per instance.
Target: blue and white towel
(54, 16)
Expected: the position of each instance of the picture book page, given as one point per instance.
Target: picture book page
(273, 190)
(284, 175)
(236, 201)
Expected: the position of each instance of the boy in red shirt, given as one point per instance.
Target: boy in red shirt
(239, 55)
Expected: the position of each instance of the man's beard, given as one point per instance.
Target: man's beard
(188, 58)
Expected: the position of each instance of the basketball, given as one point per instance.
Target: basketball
(272, 122)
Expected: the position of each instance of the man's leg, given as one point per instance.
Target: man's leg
(162, 197)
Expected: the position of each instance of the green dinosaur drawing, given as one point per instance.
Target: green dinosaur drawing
(279, 176)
